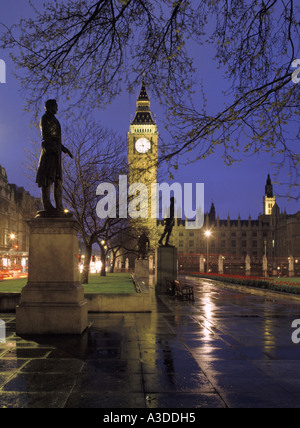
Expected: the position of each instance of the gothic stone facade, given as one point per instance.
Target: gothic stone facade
(16, 206)
(276, 233)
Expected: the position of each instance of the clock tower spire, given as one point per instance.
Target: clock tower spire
(143, 114)
(143, 153)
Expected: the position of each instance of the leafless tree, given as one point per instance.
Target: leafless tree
(88, 50)
(98, 158)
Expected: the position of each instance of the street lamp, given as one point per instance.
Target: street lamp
(14, 243)
(265, 261)
(208, 235)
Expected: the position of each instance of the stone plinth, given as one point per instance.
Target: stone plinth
(221, 264)
(165, 267)
(291, 266)
(202, 263)
(53, 300)
(248, 265)
(142, 269)
(265, 266)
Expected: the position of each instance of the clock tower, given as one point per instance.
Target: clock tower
(269, 198)
(143, 158)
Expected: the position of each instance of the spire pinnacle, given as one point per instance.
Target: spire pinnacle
(143, 94)
(143, 111)
(269, 188)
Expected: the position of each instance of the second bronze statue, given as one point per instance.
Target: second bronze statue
(169, 224)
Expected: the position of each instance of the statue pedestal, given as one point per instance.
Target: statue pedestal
(248, 265)
(53, 301)
(265, 266)
(165, 267)
(291, 266)
(142, 269)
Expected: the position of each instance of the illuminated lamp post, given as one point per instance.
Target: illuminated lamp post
(208, 235)
(15, 248)
(14, 242)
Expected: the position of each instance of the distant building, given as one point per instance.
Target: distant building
(16, 206)
(274, 233)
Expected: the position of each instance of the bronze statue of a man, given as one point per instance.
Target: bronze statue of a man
(169, 224)
(50, 165)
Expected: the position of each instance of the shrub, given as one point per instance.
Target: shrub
(264, 284)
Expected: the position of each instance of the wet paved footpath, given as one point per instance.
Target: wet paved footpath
(228, 349)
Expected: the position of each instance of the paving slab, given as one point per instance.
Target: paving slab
(228, 349)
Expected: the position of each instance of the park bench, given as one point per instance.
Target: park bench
(183, 291)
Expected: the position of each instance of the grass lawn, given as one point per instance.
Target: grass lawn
(112, 283)
(115, 283)
(12, 285)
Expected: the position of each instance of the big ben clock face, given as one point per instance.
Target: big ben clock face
(143, 145)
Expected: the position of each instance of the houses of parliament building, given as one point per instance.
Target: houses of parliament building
(274, 233)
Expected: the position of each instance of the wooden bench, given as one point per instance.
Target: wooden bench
(183, 291)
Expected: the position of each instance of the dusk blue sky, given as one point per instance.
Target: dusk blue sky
(237, 190)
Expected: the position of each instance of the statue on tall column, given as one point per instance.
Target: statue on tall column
(169, 224)
(50, 164)
(144, 246)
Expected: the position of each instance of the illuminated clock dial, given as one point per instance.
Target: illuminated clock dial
(143, 145)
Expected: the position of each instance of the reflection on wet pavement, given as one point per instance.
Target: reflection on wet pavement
(227, 349)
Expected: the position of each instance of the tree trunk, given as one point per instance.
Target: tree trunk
(103, 261)
(86, 266)
(112, 266)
